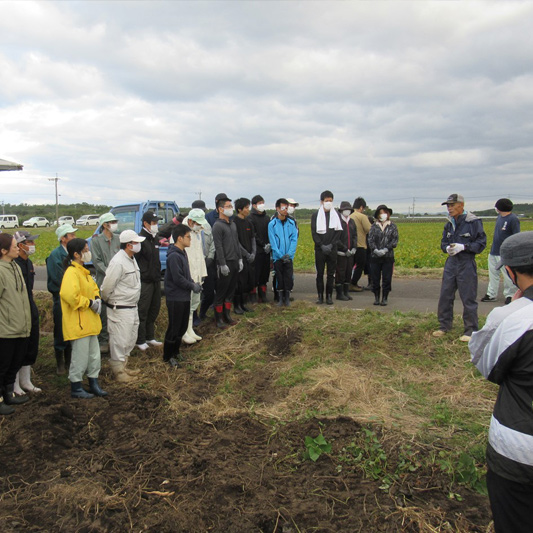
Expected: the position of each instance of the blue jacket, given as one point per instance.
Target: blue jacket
(178, 281)
(283, 237)
(467, 230)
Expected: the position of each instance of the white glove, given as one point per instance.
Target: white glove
(380, 253)
(455, 248)
(96, 306)
(224, 270)
(352, 251)
(241, 265)
(267, 248)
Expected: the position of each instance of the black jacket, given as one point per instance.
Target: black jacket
(148, 258)
(260, 222)
(331, 236)
(348, 238)
(379, 239)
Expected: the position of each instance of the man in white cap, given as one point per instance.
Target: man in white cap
(104, 246)
(293, 204)
(120, 293)
(503, 352)
(55, 269)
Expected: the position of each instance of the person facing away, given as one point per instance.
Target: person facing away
(326, 230)
(503, 352)
(507, 224)
(462, 239)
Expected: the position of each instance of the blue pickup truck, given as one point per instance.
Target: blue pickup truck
(129, 216)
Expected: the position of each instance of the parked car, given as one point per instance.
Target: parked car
(64, 220)
(9, 221)
(129, 216)
(36, 222)
(88, 220)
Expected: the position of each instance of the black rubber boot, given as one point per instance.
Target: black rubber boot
(287, 298)
(226, 314)
(244, 301)
(77, 391)
(11, 398)
(279, 298)
(376, 296)
(346, 289)
(263, 292)
(384, 300)
(4, 408)
(340, 293)
(329, 299)
(320, 299)
(237, 305)
(95, 389)
(253, 298)
(60, 362)
(219, 320)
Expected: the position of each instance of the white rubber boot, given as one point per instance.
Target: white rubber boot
(25, 380)
(16, 387)
(190, 336)
(130, 371)
(190, 330)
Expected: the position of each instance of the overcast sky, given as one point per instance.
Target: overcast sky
(392, 101)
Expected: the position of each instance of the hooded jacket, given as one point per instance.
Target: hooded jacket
(148, 258)
(195, 253)
(178, 281)
(15, 315)
(283, 237)
(77, 288)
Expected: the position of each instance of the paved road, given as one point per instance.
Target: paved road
(408, 294)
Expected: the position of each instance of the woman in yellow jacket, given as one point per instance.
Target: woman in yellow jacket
(81, 306)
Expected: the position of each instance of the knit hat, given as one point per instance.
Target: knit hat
(504, 204)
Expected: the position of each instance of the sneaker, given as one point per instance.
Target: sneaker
(439, 333)
(153, 342)
(356, 288)
(508, 300)
(488, 298)
(464, 338)
(143, 347)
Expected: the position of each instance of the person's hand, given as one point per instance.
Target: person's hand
(241, 265)
(379, 253)
(267, 248)
(224, 270)
(250, 258)
(197, 289)
(326, 248)
(96, 305)
(164, 242)
(352, 251)
(385, 251)
(455, 248)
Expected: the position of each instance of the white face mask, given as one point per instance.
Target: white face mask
(30, 250)
(196, 228)
(112, 228)
(136, 247)
(383, 217)
(261, 208)
(228, 212)
(86, 257)
(346, 213)
(328, 206)
(154, 228)
(291, 210)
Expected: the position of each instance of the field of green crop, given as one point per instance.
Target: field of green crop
(418, 247)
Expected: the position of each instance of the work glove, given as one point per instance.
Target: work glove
(326, 248)
(267, 248)
(455, 248)
(241, 265)
(197, 289)
(348, 253)
(224, 270)
(250, 258)
(352, 251)
(286, 258)
(96, 305)
(380, 253)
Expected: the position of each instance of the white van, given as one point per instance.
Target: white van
(9, 221)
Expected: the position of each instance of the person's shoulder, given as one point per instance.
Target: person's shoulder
(472, 217)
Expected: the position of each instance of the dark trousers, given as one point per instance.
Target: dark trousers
(284, 275)
(226, 285)
(178, 320)
(323, 262)
(381, 275)
(59, 342)
(460, 273)
(262, 269)
(148, 307)
(208, 289)
(12, 353)
(246, 278)
(32, 348)
(359, 262)
(511, 504)
(344, 269)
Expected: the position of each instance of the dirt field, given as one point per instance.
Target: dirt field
(150, 458)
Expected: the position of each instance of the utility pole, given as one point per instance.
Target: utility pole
(413, 206)
(199, 193)
(56, 179)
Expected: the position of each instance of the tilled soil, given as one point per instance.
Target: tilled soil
(129, 463)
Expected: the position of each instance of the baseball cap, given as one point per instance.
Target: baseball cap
(453, 199)
(106, 217)
(198, 216)
(517, 250)
(198, 204)
(21, 236)
(129, 235)
(293, 201)
(64, 229)
(150, 216)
